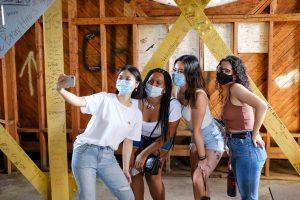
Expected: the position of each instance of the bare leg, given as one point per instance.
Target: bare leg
(137, 184)
(213, 158)
(156, 186)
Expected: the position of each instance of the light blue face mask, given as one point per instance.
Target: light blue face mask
(178, 79)
(124, 87)
(153, 91)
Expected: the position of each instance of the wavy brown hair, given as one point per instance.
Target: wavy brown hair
(193, 76)
(239, 70)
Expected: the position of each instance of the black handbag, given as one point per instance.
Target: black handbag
(152, 164)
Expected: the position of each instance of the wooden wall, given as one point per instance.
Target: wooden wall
(81, 17)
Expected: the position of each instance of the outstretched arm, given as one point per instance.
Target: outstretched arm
(68, 96)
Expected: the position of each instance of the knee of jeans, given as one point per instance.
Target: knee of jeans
(125, 188)
(127, 193)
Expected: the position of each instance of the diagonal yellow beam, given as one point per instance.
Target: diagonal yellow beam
(196, 17)
(193, 14)
(174, 37)
(23, 163)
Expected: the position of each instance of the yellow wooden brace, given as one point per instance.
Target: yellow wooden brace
(24, 164)
(56, 112)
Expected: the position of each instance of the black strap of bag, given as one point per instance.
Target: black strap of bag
(152, 162)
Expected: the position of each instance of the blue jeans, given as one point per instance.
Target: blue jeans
(90, 161)
(247, 162)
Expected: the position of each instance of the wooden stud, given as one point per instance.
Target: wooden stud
(269, 84)
(135, 45)
(41, 95)
(74, 64)
(235, 38)
(10, 97)
(103, 48)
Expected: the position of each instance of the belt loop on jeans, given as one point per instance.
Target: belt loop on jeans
(240, 135)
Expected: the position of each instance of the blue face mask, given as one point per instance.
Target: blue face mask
(178, 79)
(124, 87)
(153, 91)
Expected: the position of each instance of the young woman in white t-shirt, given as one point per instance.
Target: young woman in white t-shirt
(157, 107)
(114, 119)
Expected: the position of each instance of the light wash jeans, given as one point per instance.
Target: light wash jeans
(90, 161)
(247, 162)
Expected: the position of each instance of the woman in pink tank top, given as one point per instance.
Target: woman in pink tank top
(243, 114)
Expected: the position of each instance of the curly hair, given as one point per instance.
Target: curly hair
(239, 70)
(165, 100)
(194, 77)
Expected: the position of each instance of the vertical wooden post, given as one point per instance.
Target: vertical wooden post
(103, 48)
(41, 94)
(135, 45)
(74, 64)
(56, 111)
(235, 38)
(269, 83)
(10, 97)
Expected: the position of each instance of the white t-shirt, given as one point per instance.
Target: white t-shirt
(111, 121)
(174, 115)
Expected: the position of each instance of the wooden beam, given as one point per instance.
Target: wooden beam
(235, 38)
(41, 94)
(10, 97)
(133, 5)
(168, 20)
(135, 44)
(74, 65)
(103, 48)
(261, 6)
(270, 83)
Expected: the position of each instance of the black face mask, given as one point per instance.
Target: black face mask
(223, 78)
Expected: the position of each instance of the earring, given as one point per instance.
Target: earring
(135, 89)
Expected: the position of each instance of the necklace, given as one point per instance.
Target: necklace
(149, 106)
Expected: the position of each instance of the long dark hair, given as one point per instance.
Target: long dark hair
(193, 76)
(239, 70)
(163, 119)
(138, 92)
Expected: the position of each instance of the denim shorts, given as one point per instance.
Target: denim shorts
(212, 137)
(146, 141)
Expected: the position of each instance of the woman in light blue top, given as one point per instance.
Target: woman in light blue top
(207, 142)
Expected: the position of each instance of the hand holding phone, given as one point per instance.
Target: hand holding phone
(65, 81)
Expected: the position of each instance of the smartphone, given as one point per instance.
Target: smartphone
(70, 81)
(134, 171)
